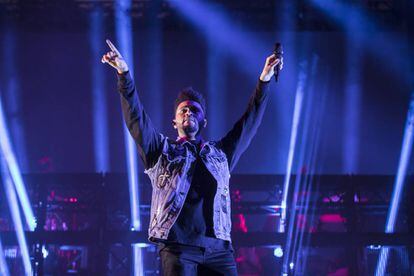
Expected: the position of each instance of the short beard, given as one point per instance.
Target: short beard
(193, 129)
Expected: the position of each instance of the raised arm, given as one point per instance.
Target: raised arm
(238, 138)
(147, 139)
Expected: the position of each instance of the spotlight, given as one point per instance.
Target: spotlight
(278, 252)
(44, 252)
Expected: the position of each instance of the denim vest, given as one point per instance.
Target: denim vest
(171, 179)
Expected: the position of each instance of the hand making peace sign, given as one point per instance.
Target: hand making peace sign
(115, 59)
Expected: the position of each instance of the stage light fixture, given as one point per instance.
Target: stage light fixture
(278, 252)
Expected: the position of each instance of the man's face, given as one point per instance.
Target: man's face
(189, 117)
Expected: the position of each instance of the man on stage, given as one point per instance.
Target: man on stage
(190, 207)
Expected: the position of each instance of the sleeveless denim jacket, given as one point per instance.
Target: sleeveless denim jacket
(171, 178)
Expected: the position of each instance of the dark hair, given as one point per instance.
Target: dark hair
(189, 94)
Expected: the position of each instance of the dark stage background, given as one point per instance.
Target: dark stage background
(46, 80)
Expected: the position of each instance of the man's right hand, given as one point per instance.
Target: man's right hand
(115, 59)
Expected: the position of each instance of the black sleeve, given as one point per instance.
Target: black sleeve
(238, 138)
(147, 139)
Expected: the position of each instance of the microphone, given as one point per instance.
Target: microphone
(278, 51)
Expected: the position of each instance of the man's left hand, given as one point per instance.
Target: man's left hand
(269, 67)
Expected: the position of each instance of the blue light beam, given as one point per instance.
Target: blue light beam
(216, 87)
(352, 104)
(398, 185)
(292, 235)
(13, 94)
(362, 28)
(100, 114)
(124, 38)
(13, 167)
(243, 47)
(292, 144)
(15, 214)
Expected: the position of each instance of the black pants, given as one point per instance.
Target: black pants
(182, 260)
